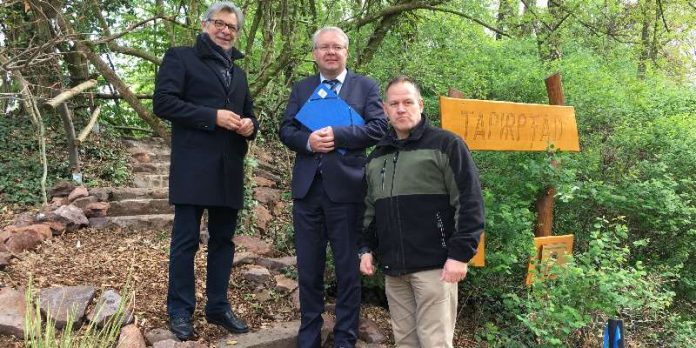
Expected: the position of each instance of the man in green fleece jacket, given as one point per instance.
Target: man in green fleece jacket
(423, 219)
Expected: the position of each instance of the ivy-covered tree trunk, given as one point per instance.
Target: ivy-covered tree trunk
(646, 9)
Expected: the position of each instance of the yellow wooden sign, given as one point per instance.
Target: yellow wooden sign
(479, 260)
(503, 126)
(550, 250)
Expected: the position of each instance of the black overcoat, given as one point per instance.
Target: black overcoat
(207, 162)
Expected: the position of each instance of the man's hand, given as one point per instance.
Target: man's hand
(228, 120)
(322, 140)
(454, 271)
(366, 266)
(246, 127)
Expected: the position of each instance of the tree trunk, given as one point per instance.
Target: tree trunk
(251, 32)
(644, 39)
(69, 128)
(505, 11)
(125, 92)
(552, 47)
(193, 20)
(114, 80)
(528, 20)
(168, 26)
(378, 35)
(546, 202)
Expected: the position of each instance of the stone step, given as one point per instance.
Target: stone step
(145, 156)
(278, 335)
(158, 147)
(151, 168)
(141, 206)
(134, 222)
(121, 193)
(151, 180)
(161, 157)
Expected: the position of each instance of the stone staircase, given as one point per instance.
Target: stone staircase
(146, 205)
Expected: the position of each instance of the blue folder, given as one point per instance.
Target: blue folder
(324, 108)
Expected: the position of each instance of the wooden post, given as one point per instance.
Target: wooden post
(554, 89)
(546, 202)
(455, 93)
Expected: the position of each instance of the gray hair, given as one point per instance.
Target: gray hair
(227, 7)
(337, 30)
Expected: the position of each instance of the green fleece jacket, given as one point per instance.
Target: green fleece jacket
(423, 202)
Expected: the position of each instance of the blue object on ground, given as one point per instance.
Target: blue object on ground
(613, 334)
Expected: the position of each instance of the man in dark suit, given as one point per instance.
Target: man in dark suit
(328, 188)
(206, 98)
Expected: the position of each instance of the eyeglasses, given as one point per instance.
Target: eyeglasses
(220, 24)
(328, 48)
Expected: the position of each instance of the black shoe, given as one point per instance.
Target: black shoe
(229, 321)
(181, 327)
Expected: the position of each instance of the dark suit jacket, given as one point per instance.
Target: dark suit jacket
(207, 162)
(341, 173)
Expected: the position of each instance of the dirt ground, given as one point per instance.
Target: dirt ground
(113, 258)
(110, 259)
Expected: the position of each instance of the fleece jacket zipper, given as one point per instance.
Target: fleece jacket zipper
(396, 213)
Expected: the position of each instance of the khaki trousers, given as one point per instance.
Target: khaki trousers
(423, 309)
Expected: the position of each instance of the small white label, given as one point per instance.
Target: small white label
(322, 93)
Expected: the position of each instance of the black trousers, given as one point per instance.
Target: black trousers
(317, 221)
(181, 296)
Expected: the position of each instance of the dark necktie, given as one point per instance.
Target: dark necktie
(333, 84)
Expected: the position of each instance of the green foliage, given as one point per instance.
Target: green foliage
(640, 165)
(103, 160)
(246, 214)
(637, 162)
(599, 283)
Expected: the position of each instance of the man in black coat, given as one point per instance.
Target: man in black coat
(205, 96)
(328, 188)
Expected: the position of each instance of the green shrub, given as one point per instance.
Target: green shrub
(597, 284)
(104, 160)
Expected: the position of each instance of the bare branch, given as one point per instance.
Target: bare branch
(135, 53)
(33, 53)
(591, 27)
(61, 98)
(537, 16)
(116, 81)
(560, 22)
(128, 30)
(88, 128)
(392, 10)
(662, 14)
(251, 34)
(116, 96)
(475, 20)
